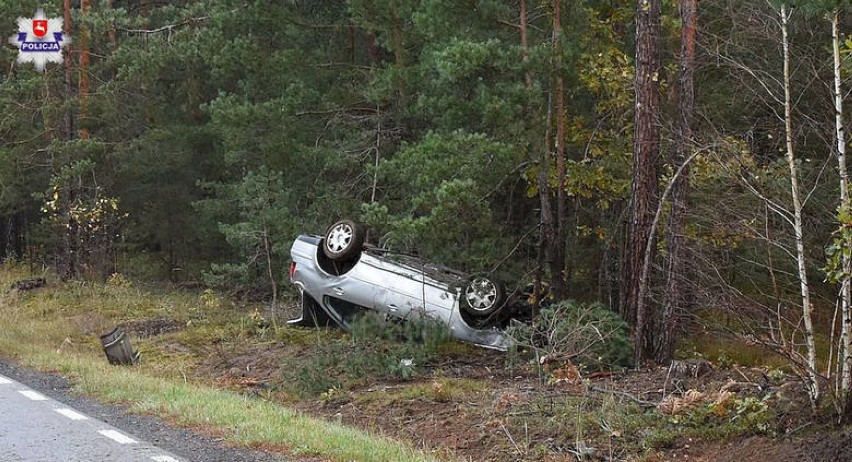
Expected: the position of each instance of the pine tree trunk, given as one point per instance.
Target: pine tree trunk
(67, 123)
(675, 298)
(813, 384)
(548, 227)
(267, 251)
(558, 245)
(111, 31)
(85, 36)
(525, 47)
(544, 165)
(45, 117)
(646, 146)
(399, 59)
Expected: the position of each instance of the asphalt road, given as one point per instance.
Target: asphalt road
(41, 420)
(37, 428)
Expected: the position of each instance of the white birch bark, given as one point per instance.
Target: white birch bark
(813, 384)
(845, 344)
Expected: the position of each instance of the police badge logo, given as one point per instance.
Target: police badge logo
(40, 27)
(40, 40)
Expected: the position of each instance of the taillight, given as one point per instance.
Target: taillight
(292, 269)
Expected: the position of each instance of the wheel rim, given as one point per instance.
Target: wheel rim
(339, 238)
(481, 294)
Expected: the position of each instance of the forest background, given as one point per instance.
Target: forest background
(194, 140)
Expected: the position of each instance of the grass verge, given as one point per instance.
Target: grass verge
(51, 329)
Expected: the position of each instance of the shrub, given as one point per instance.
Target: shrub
(420, 332)
(379, 349)
(393, 347)
(589, 336)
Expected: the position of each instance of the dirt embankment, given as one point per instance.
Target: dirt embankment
(475, 405)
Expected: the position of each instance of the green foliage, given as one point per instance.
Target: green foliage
(725, 351)
(717, 420)
(195, 105)
(261, 203)
(839, 251)
(84, 223)
(440, 201)
(425, 332)
(378, 349)
(587, 335)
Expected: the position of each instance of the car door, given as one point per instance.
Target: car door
(413, 294)
(364, 284)
(392, 285)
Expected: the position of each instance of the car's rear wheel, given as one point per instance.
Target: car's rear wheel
(344, 240)
(481, 296)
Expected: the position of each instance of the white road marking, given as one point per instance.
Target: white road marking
(33, 395)
(164, 459)
(71, 414)
(118, 437)
(80, 430)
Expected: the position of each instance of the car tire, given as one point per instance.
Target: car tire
(344, 240)
(481, 296)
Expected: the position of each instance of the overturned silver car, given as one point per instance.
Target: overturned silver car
(339, 276)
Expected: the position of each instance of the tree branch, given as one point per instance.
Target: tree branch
(166, 28)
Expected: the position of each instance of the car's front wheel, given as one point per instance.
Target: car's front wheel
(481, 296)
(344, 240)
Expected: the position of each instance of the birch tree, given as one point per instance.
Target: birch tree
(845, 296)
(788, 332)
(840, 260)
(796, 196)
(845, 350)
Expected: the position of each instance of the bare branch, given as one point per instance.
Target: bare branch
(167, 28)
